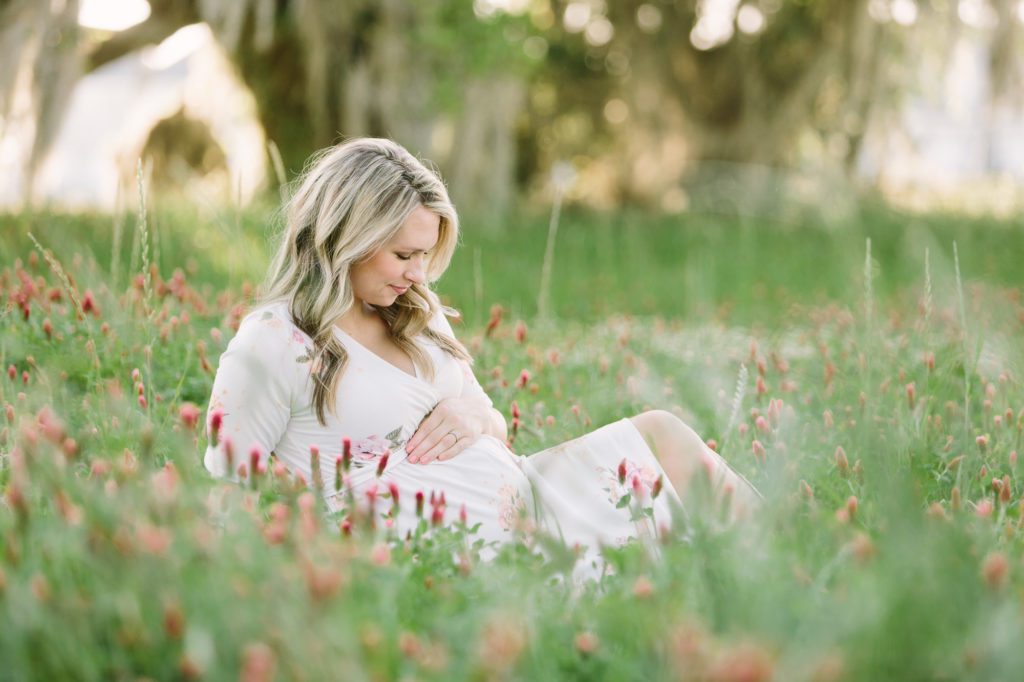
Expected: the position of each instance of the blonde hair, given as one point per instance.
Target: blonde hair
(351, 200)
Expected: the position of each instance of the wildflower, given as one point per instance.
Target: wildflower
(492, 324)
(39, 587)
(463, 516)
(656, 489)
(314, 466)
(12, 372)
(48, 328)
(393, 490)
(419, 504)
(842, 463)
(995, 570)
(586, 642)
(258, 663)
(1005, 493)
(984, 508)
(189, 415)
(806, 490)
(759, 453)
(761, 424)
(911, 395)
(153, 539)
(143, 403)
(216, 420)
(174, 619)
(643, 588)
(502, 642)
(24, 377)
(929, 361)
(848, 512)
(346, 454)
(622, 472)
(515, 410)
(861, 547)
(743, 663)
(229, 453)
(954, 499)
(383, 463)
(524, 378)
(760, 387)
(982, 442)
(520, 331)
(89, 304)
(936, 511)
(254, 461)
(437, 515)
(712, 444)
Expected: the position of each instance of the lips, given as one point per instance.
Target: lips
(399, 290)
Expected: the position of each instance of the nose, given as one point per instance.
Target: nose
(415, 272)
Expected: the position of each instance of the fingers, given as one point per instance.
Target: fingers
(441, 444)
(430, 423)
(433, 439)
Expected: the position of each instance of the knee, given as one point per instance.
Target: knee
(662, 426)
(658, 425)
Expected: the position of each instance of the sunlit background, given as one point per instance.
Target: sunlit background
(665, 104)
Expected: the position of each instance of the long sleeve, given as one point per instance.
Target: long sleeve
(471, 388)
(253, 392)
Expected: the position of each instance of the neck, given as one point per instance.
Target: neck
(359, 316)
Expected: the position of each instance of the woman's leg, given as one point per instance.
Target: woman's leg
(683, 455)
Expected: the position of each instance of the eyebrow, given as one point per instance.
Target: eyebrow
(413, 249)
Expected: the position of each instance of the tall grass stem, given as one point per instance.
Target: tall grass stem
(966, 369)
(147, 285)
(278, 163)
(544, 298)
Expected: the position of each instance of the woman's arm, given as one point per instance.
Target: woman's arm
(456, 423)
(250, 403)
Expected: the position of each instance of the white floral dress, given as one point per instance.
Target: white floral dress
(591, 491)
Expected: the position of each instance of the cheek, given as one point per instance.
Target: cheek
(377, 269)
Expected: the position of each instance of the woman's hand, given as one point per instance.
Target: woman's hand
(452, 426)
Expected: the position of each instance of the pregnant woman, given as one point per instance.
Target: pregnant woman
(350, 350)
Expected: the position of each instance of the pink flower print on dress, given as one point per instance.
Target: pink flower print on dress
(369, 449)
(510, 506)
(373, 447)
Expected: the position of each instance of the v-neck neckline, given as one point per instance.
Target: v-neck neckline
(415, 369)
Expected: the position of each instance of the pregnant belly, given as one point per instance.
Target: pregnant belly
(485, 479)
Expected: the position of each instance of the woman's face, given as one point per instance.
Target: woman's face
(400, 263)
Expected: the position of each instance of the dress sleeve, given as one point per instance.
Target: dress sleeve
(471, 388)
(252, 393)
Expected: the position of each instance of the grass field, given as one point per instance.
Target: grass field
(872, 393)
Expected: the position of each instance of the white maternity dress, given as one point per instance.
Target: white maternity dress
(571, 491)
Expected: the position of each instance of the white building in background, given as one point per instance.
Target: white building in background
(113, 110)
